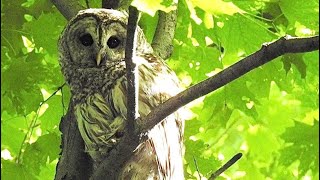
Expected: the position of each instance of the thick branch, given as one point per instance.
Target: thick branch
(267, 53)
(68, 8)
(73, 163)
(110, 4)
(113, 163)
(164, 34)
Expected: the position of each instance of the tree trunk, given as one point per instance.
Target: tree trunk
(74, 163)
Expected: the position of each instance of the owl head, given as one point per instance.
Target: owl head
(92, 43)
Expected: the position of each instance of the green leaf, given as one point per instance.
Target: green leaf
(11, 26)
(195, 62)
(295, 59)
(262, 143)
(52, 116)
(46, 148)
(303, 142)
(19, 84)
(151, 7)
(278, 119)
(37, 7)
(195, 151)
(11, 170)
(240, 36)
(48, 37)
(217, 7)
(48, 171)
(9, 126)
(292, 10)
(148, 25)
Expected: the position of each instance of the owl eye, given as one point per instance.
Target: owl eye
(113, 42)
(86, 40)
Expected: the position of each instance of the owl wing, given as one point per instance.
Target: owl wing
(98, 125)
(160, 157)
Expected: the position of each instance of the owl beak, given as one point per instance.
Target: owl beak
(100, 56)
(98, 59)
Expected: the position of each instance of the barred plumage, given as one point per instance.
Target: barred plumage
(92, 59)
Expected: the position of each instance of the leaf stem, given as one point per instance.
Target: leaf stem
(197, 167)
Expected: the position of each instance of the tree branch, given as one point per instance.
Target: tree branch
(233, 160)
(110, 4)
(267, 53)
(73, 163)
(111, 166)
(131, 68)
(68, 8)
(164, 34)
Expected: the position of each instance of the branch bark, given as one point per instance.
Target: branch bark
(164, 34)
(227, 165)
(74, 163)
(131, 68)
(110, 4)
(68, 8)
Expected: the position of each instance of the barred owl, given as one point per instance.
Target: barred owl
(92, 50)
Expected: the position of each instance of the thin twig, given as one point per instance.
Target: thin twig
(14, 52)
(22, 144)
(54, 93)
(197, 167)
(87, 4)
(233, 160)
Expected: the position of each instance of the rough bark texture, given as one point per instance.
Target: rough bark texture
(68, 8)
(110, 4)
(73, 162)
(164, 34)
(132, 70)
